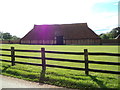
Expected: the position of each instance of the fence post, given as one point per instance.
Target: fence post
(43, 58)
(86, 61)
(12, 56)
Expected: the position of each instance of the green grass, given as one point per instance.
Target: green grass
(64, 77)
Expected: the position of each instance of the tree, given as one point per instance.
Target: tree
(1, 36)
(112, 34)
(104, 36)
(15, 38)
(115, 32)
(7, 36)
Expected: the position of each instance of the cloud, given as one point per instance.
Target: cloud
(103, 21)
(19, 16)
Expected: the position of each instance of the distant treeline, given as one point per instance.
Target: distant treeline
(8, 36)
(112, 34)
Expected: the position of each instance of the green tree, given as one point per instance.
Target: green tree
(15, 38)
(1, 36)
(104, 36)
(115, 32)
(7, 36)
(112, 34)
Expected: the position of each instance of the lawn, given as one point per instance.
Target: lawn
(64, 77)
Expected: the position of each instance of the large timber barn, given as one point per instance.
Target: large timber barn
(76, 34)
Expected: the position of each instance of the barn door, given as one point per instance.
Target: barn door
(59, 40)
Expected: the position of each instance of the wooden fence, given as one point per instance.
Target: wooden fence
(86, 61)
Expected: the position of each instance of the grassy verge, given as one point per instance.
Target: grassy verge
(64, 77)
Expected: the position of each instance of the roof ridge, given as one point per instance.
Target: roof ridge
(60, 24)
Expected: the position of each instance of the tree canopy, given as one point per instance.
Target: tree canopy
(7, 36)
(112, 34)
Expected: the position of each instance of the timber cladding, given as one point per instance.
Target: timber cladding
(78, 33)
(110, 42)
(9, 41)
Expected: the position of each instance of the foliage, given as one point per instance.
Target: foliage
(112, 34)
(15, 38)
(104, 36)
(1, 35)
(7, 36)
(115, 32)
(64, 77)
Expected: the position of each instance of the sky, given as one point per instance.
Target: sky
(18, 17)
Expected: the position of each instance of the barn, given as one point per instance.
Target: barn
(60, 34)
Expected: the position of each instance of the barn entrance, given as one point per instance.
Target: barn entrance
(59, 40)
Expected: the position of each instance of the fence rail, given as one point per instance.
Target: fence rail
(21, 50)
(86, 60)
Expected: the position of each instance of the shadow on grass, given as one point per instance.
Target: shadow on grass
(70, 76)
(69, 81)
(5, 68)
(42, 76)
(100, 83)
(19, 73)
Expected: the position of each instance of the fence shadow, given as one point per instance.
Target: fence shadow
(5, 68)
(99, 82)
(42, 76)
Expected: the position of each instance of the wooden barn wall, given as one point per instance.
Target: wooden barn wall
(9, 41)
(83, 42)
(110, 42)
(4, 42)
(51, 42)
(67, 42)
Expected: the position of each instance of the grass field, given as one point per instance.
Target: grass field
(64, 77)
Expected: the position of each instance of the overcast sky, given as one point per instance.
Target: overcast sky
(19, 16)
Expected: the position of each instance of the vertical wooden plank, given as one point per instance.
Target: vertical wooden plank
(42, 74)
(12, 56)
(86, 61)
(43, 58)
(65, 42)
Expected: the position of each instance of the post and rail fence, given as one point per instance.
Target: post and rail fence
(86, 61)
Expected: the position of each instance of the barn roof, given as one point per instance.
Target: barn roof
(68, 31)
